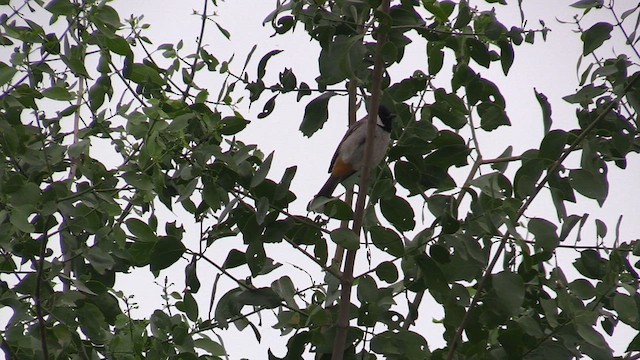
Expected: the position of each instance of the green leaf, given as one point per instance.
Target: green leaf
(231, 125)
(119, 45)
(191, 275)
(345, 238)
(190, 306)
(262, 65)
(286, 290)
(587, 4)
(80, 148)
(509, 288)
(92, 321)
(140, 181)
(552, 145)
(595, 36)
(601, 229)
(141, 230)
(387, 240)
(591, 336)
(546, 110)
(506, 55)
(627, 309)
(61, 7)
(435, 57)
(316, 114)
(58, 93)
(502, 166)
(20, 218)
(492, 116)
(335, 208)
(593, 186)
(263, 297)
(479, 51)
(400, 344)
(387, 272)
(262, 172)
(582, 289)
(210, 346)
(585, 95)
(398, 212)
(165, 252)
(494, 185)
(99, 259)
(591, 265)
(6, 73)
(545, 234)
(234, 259)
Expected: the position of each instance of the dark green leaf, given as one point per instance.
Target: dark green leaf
(398, 212)
(387, 240)
(509, 288)
(234, 259)
(492, 116)
(582, 289)
(591, 265)
(61, 7)
(506, 55)
(546, 110)
(166, 251)
(262, 65)
(544, 233)
(232, 125)
(210, 346)
(593, 186)
(345, 238)
(99, 259)
(6, 73)
(501, 166)
(262, 172)
(316, 114)
(141, 231)
(627, 308)
(587, 4)
(553, 145)
(595, 36)
(263, 297)
(57, 93)
(336, 208)
(387, 272)
(401, 344)
(191, 276)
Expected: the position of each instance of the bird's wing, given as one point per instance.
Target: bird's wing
(350, 131)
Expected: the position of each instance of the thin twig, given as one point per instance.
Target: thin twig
(196, 56)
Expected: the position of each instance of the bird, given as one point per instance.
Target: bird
(348, 160)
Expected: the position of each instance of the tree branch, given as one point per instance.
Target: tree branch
(346, 282)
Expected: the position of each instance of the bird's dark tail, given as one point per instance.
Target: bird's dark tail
(328, 187)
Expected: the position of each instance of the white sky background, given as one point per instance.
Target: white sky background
(548, 66)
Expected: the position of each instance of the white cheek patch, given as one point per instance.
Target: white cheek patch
(379, 122)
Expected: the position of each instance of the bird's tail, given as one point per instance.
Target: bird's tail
(328, 187)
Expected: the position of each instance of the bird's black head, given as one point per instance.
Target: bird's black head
(386, 117)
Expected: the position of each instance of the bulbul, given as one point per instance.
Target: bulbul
(348, 159)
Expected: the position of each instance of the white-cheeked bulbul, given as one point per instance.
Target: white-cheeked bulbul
(348, 159)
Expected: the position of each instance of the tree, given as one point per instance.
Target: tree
(101, 131)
